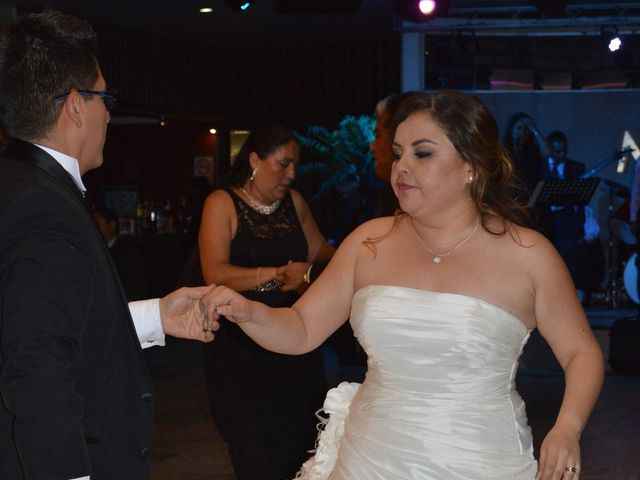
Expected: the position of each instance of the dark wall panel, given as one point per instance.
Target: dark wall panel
(158, 73)
(297, 85)
(314, 85)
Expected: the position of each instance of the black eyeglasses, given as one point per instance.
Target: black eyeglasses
(109, 98)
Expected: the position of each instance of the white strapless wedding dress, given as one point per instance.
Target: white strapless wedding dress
(439, 399)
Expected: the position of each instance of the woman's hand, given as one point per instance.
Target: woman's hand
(223, 301)
(293, 276)
(560, 455)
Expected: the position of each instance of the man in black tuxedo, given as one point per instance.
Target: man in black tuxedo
(76, 398)
(566, 225)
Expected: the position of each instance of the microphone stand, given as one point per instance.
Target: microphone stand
(613, 293)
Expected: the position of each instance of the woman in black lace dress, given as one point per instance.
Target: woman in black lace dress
(258, 236)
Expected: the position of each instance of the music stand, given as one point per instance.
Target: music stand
(577, 191)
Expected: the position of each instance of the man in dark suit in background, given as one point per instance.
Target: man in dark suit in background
(571, 228)
(135, 278)
(76, 398)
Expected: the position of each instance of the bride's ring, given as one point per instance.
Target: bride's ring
(571, 469)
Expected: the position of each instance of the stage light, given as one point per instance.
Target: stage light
(213, 131)
(427, 7)
(615, 44)
(240, 5)
(421, 10)
(206, 10)
(611, 39)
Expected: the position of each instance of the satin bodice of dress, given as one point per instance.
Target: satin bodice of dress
(439, 399)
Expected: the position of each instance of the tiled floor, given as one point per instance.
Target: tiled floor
(187, 447)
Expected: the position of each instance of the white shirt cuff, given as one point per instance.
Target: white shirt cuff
(146, 318)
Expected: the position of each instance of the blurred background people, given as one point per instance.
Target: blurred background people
(108, 224)
(128, 259)
(258, 236)
(573, 229)
(383, 157)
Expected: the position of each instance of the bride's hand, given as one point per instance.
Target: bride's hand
(559, 455)
(223, 301)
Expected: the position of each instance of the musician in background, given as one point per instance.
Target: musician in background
(572, 229)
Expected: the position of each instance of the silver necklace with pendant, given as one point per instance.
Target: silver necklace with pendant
(437, 257)
(261, 207)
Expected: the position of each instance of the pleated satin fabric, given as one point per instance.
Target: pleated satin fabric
(439, 399)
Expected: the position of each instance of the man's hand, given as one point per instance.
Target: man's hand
(182, 317)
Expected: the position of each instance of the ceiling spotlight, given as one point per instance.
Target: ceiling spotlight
(426, 7)
(206, 10)
(240, 5)
(611, 39)
(615, 43)
(213, 131)
(421, 10)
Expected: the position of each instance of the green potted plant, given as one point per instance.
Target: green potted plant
(339, 161)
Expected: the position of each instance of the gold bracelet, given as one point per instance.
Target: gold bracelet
(307, 275)
(258, 277)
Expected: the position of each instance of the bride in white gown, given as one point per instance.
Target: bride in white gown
(442, 297)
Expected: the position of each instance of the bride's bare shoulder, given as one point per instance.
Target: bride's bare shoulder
(530, 246)
(375, 228)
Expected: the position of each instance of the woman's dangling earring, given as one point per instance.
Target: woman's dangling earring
(471, 177)
(253, 174)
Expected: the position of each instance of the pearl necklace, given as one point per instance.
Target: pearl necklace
(261, 207)
(437, 257)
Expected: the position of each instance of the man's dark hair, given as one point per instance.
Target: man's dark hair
(43, 55)
(557, 136)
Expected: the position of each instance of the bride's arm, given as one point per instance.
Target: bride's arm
(562, 322)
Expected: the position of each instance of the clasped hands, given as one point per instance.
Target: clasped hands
(223, 301)
(292, 276)
(183, 315)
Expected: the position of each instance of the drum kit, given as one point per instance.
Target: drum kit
(622, 239)
(623, 244)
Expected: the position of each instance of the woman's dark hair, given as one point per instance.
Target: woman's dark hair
(474, 133)
(41, 56)
(508, 139)
(265, 139)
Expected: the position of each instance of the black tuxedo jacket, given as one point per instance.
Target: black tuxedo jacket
(76, 395)
(572, 169)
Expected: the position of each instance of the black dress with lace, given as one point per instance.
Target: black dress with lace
(264, 403)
